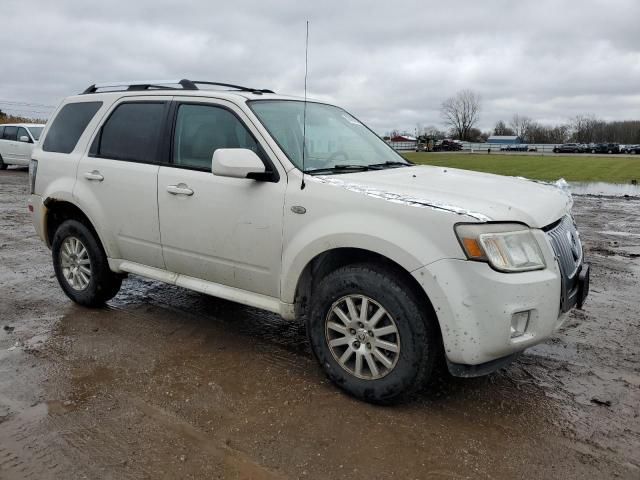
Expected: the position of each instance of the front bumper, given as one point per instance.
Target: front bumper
(475, 305)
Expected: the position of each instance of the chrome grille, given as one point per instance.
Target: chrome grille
(566, 244)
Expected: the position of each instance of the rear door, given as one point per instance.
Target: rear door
(224, 230)
(117, 178)
(23, 149)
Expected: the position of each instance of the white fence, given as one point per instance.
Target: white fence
(500, 147)
(541, 148)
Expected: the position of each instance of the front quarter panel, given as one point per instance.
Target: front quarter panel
(335, 217)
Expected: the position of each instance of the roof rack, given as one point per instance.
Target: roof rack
(164, 85)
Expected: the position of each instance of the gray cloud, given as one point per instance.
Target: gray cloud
(391, 64)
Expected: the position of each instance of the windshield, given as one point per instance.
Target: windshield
(35, 132)
(334, 139)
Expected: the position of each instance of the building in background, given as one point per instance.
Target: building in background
(403, 142)
(504, 139)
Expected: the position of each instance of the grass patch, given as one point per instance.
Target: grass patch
(611, 169)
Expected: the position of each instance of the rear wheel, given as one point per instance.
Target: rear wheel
(372, 336)
(593, 151)
(81, 265)
(3, 166)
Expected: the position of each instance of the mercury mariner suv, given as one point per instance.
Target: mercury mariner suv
(296, 207)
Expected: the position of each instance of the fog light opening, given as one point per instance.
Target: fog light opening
(519, 323)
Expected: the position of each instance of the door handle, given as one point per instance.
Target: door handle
(94, 175)
(180, 189)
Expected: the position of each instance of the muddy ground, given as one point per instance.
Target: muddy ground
(167, 383)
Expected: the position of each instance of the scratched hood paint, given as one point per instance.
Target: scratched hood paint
(481, 196)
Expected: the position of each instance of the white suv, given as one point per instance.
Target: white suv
(392, 266)
(16, 143)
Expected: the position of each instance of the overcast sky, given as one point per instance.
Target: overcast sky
(390, 63)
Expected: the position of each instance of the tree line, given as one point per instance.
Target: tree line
(8, 118)
(461, 113)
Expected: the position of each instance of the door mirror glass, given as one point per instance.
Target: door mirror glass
(24, 139)
(237, 163)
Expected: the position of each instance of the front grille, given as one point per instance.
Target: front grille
(566, 244)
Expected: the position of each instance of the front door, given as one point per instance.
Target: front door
(10, 139)
(224, 230)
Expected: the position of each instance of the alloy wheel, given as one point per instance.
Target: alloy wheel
(75, 263)
(362, 337)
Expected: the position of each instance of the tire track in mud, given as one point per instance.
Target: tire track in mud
(169, 383)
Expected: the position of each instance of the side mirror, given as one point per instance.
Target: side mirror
(24, 139)
(237, 163)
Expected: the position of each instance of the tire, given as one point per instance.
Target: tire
(555, 150)
(593, 151)
(609, 151)
(3, 166)
(416, 335)
(102, 284)
(576, 151)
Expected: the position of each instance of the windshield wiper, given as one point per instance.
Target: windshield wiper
(342, 167)
(390, 165)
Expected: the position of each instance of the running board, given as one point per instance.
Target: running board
(257, 300)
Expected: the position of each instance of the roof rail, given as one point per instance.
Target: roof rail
(164, 85)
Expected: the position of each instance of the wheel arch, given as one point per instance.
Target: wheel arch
(330, 260)
(59, 210)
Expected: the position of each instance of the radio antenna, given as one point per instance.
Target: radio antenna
(304, 112)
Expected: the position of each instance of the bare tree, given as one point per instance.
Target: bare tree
(588, 129)
(461, 112)
(434, 132)
(502, 129)
(539, 133)
(521, 126)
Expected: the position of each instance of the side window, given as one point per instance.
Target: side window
(22, 132)
(10, 133)
(68, 126)
(201, 129)
(1, 132)
(132, 132)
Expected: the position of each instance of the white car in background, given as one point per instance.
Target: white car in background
(16, 143)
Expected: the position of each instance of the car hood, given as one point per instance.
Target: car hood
(481, 196)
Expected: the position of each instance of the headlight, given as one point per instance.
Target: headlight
(508, 247)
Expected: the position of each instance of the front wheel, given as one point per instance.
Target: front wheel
(371, 335)
(81, 265)
(3, 166)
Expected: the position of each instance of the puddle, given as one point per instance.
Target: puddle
(604, 188)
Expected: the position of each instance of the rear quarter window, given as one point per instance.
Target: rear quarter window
(67, 127)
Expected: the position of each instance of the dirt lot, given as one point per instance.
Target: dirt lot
(166, 383)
